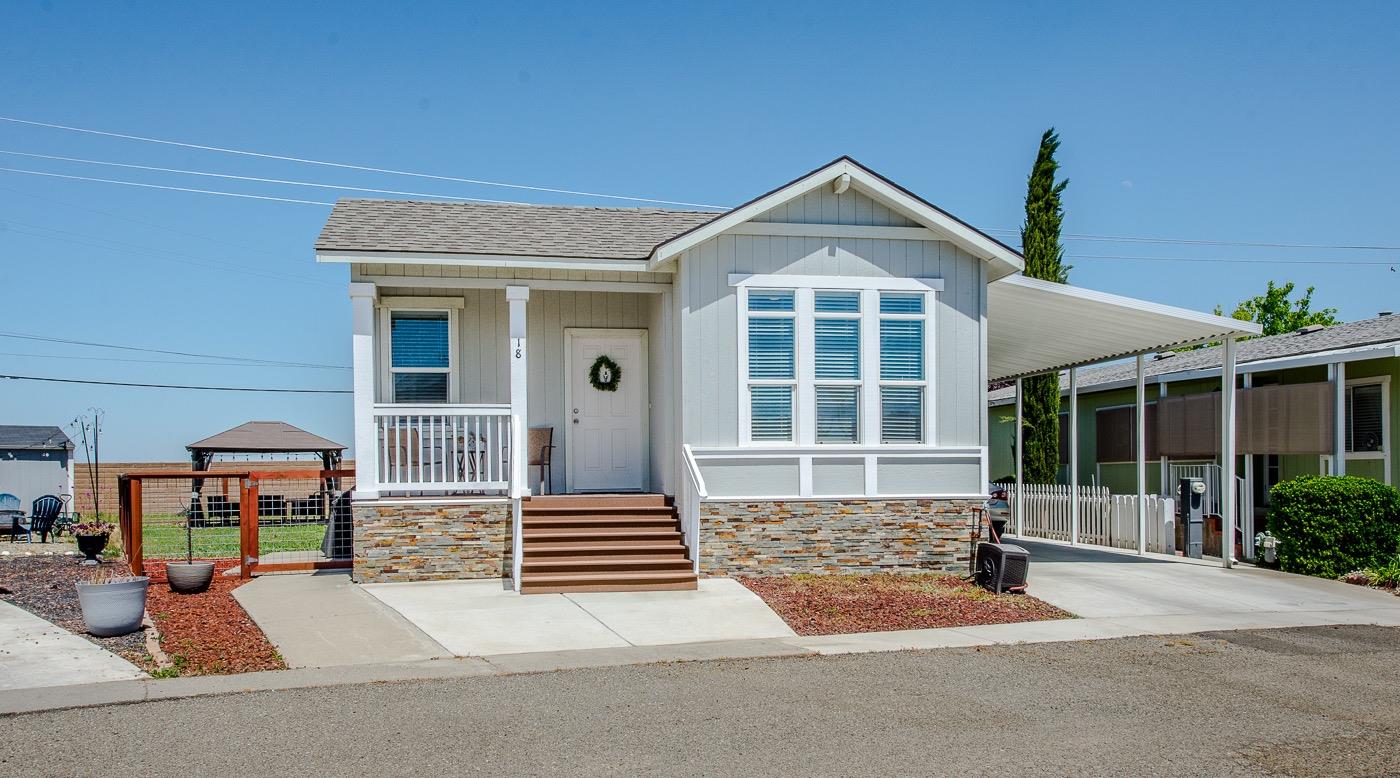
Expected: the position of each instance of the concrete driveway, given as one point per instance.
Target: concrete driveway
(481, 618)
(1174, 595)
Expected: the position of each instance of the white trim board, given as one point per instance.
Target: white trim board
(855, 283)
(838, 231)
(543, 284)
(487, 260)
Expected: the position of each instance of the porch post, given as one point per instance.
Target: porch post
(1168, 489)
(1073, 455)
(1227, 453)
(1247, 495)
(516, 296)
(362, 297)
(1339, 417)
(1020, 462)
(1140, 455)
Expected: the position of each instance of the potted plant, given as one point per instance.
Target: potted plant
(112, 605)
(189, 576)
(92, 538)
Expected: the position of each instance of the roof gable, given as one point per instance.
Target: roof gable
(843, 174)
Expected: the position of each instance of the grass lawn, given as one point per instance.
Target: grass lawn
(168, 540)
(838, 604)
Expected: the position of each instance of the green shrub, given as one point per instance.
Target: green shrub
(1328, 526)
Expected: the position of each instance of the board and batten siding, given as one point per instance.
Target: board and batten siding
(710, 338)
(483, 370)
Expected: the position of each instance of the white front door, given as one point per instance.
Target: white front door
(606, 432)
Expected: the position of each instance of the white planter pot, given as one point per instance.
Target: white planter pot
(114, 608)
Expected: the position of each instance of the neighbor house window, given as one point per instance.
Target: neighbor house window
(772, 364)
(1365, 418)
(903, 378)
(420, 356)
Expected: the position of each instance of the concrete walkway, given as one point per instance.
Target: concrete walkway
(325, 620)
(35, 653)
(481, 618)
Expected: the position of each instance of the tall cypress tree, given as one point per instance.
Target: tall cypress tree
(1040, 243)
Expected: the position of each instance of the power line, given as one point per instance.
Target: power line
(1235, 260)
(251, 360)
(159, 186)
(347, 166)
(255, 178)
(1196, 242)
(176, 386)
(127, 360)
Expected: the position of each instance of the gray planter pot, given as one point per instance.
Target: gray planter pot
(114, 608)
(189, 577)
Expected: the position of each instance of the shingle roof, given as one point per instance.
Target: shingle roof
(488, 228)
(1366, 332)
(265, 436)
(14, 436)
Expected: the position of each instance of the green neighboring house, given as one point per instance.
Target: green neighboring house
(1285, 428)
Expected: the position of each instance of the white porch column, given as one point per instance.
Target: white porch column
(1167, 489)
(362, 297)
(1140, 454)
(1020, 461)
(516, 296)
(1227, 453)
(1073, 455)
(1247, 496)
(1338, 372)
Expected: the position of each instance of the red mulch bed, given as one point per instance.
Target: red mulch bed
(838, 604)
(208, 633)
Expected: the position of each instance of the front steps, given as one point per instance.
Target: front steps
(603, 543)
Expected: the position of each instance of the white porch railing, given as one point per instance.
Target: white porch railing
(691, 493)
(447, 448)
(1105, 519)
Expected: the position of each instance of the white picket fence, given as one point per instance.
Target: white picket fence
(1105, 519)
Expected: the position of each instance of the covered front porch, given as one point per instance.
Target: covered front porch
(486, 387)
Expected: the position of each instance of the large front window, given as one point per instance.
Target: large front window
(831, 366)
(420, 356)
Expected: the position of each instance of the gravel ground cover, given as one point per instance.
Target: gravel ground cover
(208, 633)
(45, 586)
(837, 604)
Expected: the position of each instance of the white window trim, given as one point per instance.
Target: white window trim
(1384, 383)
(804, 344)
(388, 305)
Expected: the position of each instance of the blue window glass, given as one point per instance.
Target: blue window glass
(418, 339)
(901, 414)
(771, 352)
(769, 300)
(772, 413)
(902, 349)
(838, 414)
(836, 302)
(901, 302)
(838, 348)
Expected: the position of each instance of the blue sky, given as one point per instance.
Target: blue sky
(1255, 122)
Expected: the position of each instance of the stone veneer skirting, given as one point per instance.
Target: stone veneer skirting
(835, 536)
(407, 541)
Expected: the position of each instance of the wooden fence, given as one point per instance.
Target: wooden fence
(1105, 519)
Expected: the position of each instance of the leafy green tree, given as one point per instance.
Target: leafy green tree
(1277, 314)
(1040, 244)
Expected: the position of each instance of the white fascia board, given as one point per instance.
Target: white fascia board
(434, 282)
(1225, 324)
(1004, 260)
(1354, 354)
(837, 282)
(838, 231)
(485, 260)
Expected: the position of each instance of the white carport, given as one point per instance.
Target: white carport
(1036, 327)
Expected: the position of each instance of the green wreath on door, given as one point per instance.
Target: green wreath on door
(605, 374)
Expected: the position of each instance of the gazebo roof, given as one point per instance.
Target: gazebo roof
(274, 437)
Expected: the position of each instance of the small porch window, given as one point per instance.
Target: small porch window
(420, 356)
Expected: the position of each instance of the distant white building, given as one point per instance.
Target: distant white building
(35, 461)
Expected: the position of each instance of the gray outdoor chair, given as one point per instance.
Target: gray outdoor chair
(11, 516)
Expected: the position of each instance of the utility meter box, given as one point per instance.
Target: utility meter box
(1190, 514)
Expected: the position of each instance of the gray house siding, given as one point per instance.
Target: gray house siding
(30, 475)
(710, 319)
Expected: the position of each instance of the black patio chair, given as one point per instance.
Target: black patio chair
(42, 516)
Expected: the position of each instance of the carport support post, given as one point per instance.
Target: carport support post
(1020, 460)
(1140, 454)
(1227, 453)
(1073, 455)
(1338, 371)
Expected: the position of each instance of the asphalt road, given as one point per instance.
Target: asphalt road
(1301, 702)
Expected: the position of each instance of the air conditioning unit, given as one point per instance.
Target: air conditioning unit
(1002, 567)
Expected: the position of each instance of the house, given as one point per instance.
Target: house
(797, 384)
(35, 461)
(1290, 422)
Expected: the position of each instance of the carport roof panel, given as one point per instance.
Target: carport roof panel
(1036, 326)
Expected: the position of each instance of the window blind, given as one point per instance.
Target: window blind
(1363, 416)
(838, 348)
(901, 414)
(901, 349)
(894, 302)
(838, 414)
(836, 302)
(771, 352)
(772, 413)
(420, 387)
(418, 339)
(760, 300)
